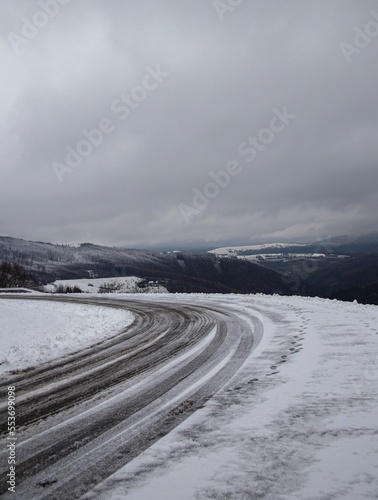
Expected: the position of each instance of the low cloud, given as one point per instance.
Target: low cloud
(315, 178)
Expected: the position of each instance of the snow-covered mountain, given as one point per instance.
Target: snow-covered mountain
(264, 248)
(339, 245)
(343, 268)
(176, 271)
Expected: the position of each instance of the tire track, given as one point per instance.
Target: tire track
(164, 400)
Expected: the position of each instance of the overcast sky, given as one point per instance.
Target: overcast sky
(209, 123)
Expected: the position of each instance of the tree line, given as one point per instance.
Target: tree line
(13, 275)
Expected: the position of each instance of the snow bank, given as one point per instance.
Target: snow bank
(33, 332)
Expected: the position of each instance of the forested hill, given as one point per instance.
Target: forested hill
(179, 271)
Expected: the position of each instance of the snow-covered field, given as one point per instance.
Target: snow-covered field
(298, 421)
(128, 284)
(33, 332)
(234, 250)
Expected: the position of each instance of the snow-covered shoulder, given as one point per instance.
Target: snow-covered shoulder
(33, 332)
(298, 421)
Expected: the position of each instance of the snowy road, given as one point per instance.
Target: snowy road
(81, 418)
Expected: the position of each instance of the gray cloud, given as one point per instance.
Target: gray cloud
(316, 177)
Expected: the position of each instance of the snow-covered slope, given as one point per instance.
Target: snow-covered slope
(227, 251)
(128, 284)
(35, 253)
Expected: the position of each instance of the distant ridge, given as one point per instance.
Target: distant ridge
(177, 271)
(336, 245)
(343, 268)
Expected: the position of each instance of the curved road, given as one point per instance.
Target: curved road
(83, 417)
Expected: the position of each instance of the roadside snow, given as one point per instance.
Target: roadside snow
(33, 332)
(299, 420)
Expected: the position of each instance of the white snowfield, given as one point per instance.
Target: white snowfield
(235, 249)
(33, 332)
(127, 284)
(298, 421)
